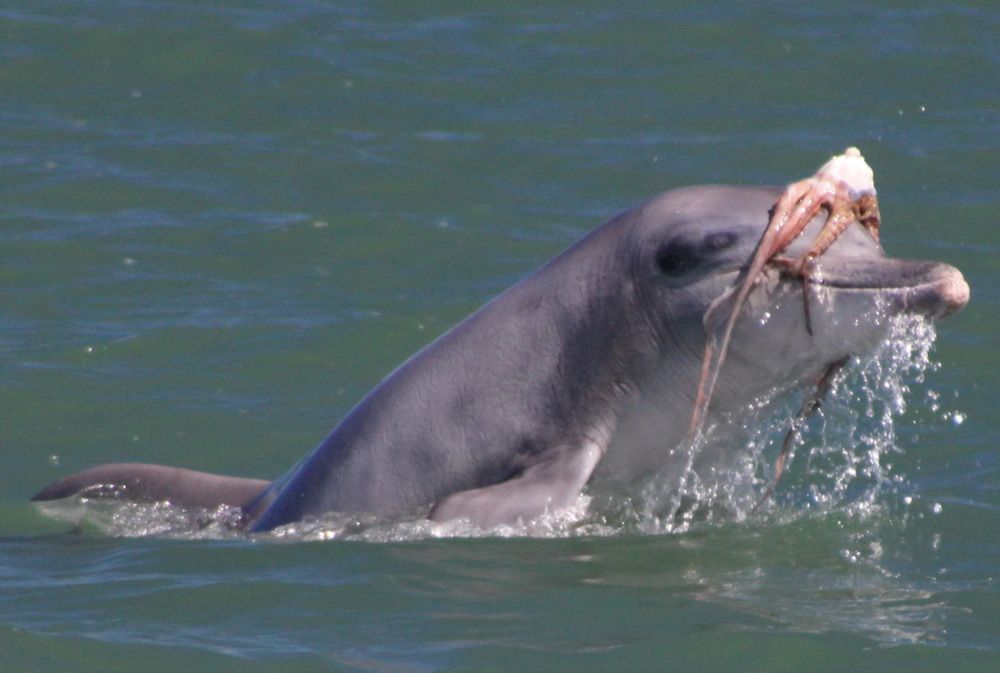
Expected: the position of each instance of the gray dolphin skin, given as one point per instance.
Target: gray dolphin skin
(581, 375)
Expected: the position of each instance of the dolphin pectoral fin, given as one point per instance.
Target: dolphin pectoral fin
(550, 484)
(139, 481)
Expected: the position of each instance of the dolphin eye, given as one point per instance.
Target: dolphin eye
(716, 242)
(680, 257)
(676, 259)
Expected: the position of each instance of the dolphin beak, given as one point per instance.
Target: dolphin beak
(932, 289)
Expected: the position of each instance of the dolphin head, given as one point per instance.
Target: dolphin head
(688, 247)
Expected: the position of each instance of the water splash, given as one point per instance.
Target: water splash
(120, 518)
(844, 450)
(848, 464)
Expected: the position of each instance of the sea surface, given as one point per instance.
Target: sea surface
(221, 223)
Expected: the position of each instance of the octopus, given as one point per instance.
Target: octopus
(844, 189)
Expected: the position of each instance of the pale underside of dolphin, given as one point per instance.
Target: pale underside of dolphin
(582, 375)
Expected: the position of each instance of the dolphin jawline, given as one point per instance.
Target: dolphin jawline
(932, 289)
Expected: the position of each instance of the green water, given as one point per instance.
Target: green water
(222, 223)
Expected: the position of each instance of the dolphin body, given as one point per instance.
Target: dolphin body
(581, 375)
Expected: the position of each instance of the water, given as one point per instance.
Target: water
(223, 223)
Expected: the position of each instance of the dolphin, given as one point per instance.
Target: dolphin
(581, 375)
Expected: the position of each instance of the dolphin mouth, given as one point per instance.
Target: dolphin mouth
(932, 289)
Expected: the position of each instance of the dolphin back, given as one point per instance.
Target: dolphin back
(145, 482)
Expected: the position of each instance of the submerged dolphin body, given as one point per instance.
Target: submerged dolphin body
(583, 373)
